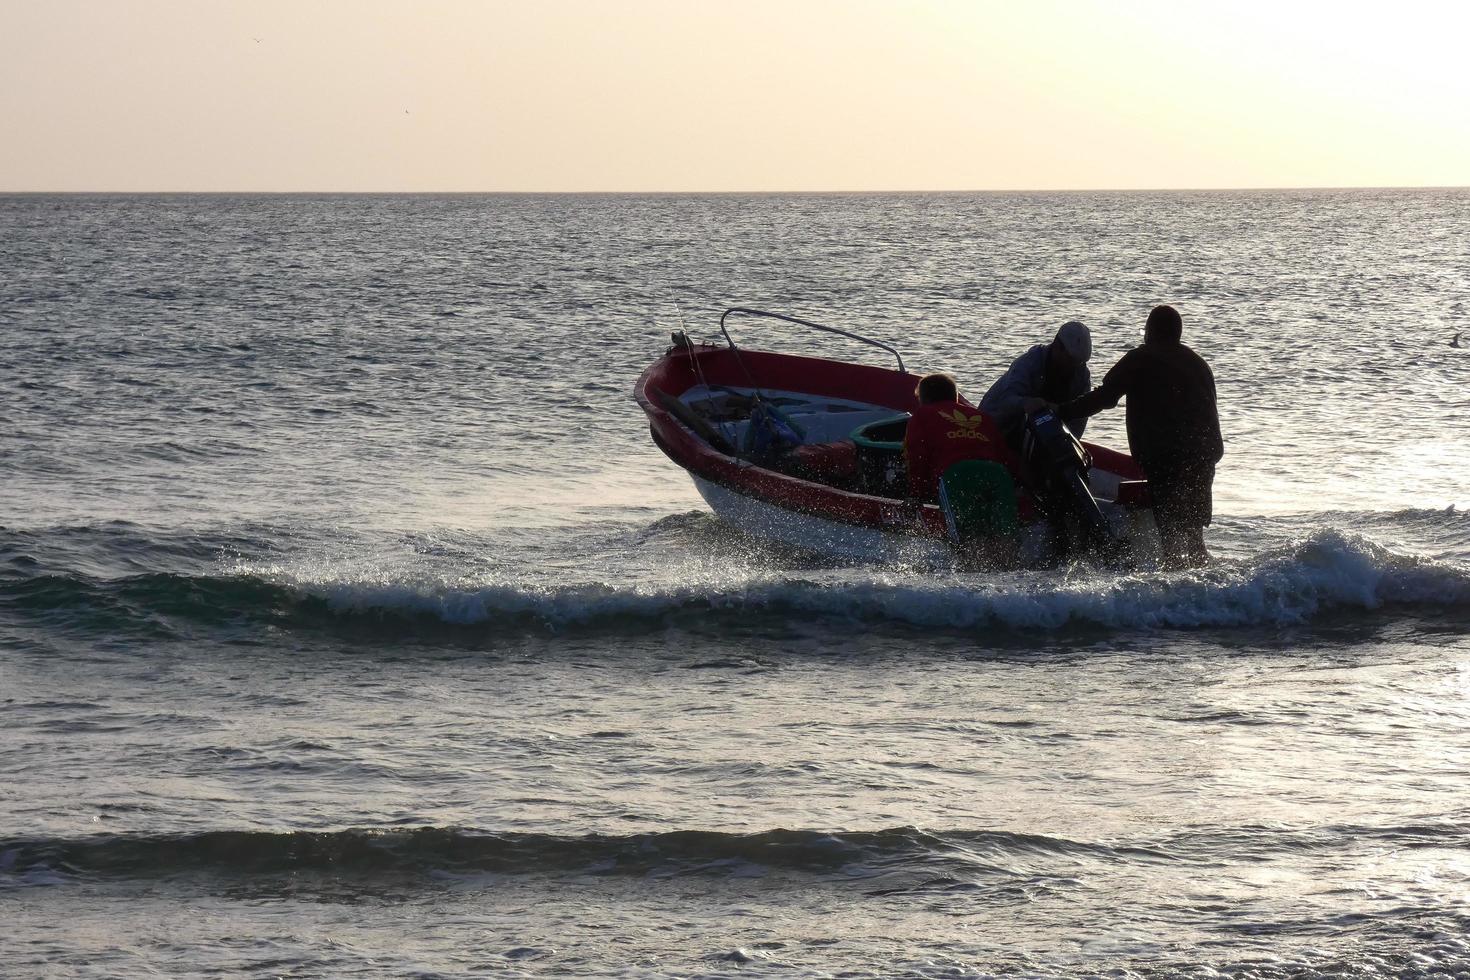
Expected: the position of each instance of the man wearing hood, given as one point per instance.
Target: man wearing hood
(1044, 375)
(1173, 430)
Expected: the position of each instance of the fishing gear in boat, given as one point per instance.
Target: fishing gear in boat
(689, 417)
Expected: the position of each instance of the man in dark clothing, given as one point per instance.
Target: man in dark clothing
(1173, 430)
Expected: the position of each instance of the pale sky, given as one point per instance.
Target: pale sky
(754, 95)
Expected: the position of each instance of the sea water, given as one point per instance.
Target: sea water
(351, 625)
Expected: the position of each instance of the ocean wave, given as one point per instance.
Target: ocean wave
(1324, 574)
(427, 850)
(849, 854)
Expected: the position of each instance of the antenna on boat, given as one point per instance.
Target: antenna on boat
(699, 373)
(678, 312)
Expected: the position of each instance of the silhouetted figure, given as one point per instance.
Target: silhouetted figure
(1173, 430)
(1044, 375)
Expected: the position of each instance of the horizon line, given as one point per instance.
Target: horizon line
(753, 193)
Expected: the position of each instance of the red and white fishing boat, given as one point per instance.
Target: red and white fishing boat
(807, 451)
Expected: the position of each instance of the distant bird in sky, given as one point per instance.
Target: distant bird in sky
(256, 40)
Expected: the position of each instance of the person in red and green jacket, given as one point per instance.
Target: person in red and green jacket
(958, 457)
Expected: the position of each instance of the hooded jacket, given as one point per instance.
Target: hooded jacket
(1026, 378)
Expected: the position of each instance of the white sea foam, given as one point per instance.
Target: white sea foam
(1324, 572)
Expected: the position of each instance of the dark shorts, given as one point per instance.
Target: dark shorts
(1183, 496)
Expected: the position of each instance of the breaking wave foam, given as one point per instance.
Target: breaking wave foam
(1325, 573)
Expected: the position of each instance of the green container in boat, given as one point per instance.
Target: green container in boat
(880, 456)
(883, 434)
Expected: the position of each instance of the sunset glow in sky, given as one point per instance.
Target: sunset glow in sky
(759, 95)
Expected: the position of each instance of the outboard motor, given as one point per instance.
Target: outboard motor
(1061, 463)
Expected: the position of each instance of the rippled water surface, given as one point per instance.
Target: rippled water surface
(351, 625)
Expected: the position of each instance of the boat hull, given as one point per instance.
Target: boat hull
(810, 532)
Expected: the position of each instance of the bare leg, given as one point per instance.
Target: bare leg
(1195, 550)
(1182, 509)
(1183, 547)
